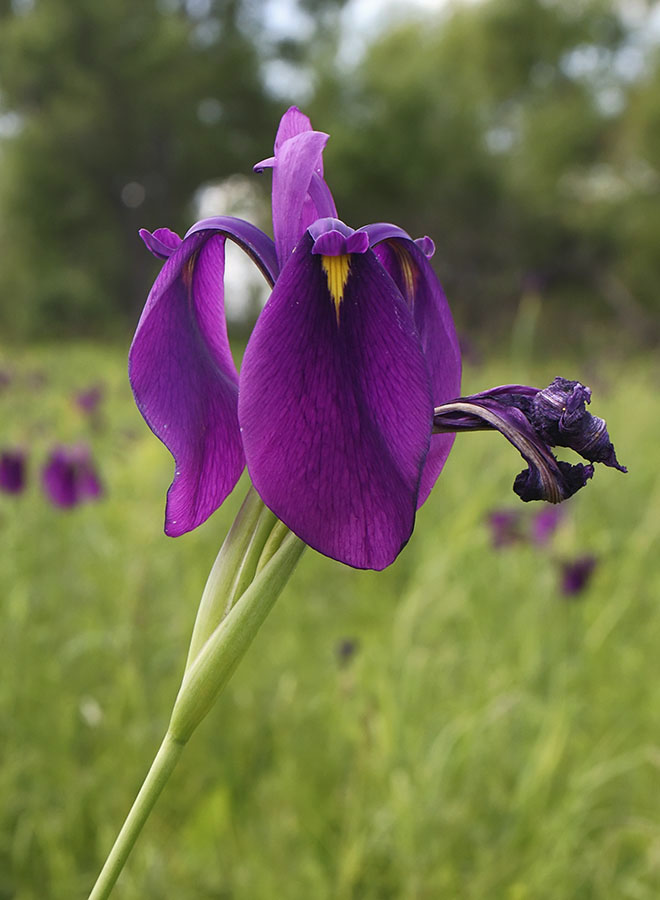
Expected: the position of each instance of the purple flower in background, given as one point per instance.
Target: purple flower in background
(345, 650)
(12, 471)
(505, 527)
(534, 421)
(333, 409)
(89, 400)
(575, 575)
(69, 476)
(545, 523)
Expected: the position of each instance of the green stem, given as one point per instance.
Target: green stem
(216, 661)
(248, 567)
(160, 771)
(221, 582)
(273, 555)
(270, 547)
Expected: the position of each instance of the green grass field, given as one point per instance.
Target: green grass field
(488, 738)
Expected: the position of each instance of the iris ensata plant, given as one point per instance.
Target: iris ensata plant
(344, 412)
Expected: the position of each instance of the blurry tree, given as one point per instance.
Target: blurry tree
(497, 129)
(119, 111)
(637, 221)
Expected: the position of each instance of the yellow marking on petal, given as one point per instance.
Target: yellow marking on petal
(336, 271)
(407, 270)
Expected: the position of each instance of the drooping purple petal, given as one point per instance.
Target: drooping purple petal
(258, 246)
(335, 409)
(408, 266)
(185, 382)
(534, 421)
(546, 478)
(561, 416)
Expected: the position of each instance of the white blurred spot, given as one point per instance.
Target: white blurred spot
(90, 711)
(246, 290)
(209, 111)
(133, 194)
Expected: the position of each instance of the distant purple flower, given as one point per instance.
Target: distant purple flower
(12, 471)
(333, 409)
(505, 527)
(533, 421)
(346, 649)
(544, 524)
(69, 476)
(89, 400)
(575, 575)
(6, 378)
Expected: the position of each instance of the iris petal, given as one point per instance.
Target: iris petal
(191, 401)
(297, 160)
(335, 410)
(252, 240)
(414, 276)
(162, 242)
(292, 123)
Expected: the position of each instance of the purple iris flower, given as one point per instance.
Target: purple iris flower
(545, 523)
(333, 409)
(505, 527)
(576, 574)
(12, 471)
(534, 421)
(89, 400)
(69, 476)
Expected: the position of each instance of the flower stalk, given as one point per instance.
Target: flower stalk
(252, 567)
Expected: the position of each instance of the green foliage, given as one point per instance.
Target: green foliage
(125, 109)
(503, 131)
(524, 137)
(487, 739)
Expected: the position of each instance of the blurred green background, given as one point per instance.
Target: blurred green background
(454, 727)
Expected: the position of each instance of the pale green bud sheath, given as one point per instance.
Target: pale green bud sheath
(233, 568)
(255, 562)
(216, 661)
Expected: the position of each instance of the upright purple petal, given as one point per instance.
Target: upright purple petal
(335, 408)
(300, 194)
(412, 273)
(292, 123)
(185, 382)
(296, 161)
